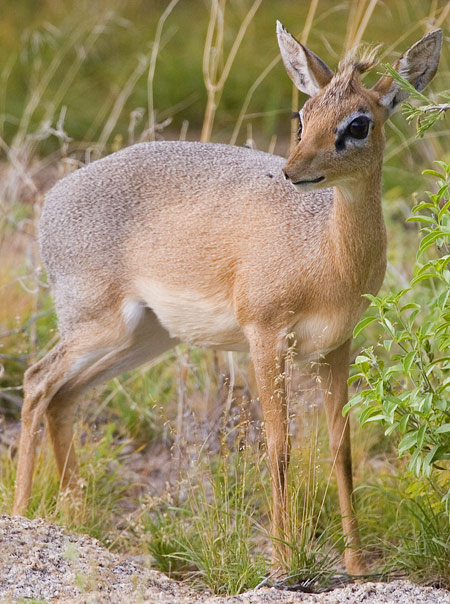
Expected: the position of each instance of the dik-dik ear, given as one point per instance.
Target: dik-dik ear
(308, 72)
(418, 65)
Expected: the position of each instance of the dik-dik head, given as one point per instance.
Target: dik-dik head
(341, 125)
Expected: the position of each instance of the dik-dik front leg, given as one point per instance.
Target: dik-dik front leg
(268, 357)
(334, 376)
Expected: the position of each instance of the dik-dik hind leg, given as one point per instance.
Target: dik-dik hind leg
(334, 375)
(41, 383)
(53, 385)
(48, 393)
(268, 357)
(148, 341)
(60, 418)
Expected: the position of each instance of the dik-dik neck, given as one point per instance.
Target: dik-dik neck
(357, 236)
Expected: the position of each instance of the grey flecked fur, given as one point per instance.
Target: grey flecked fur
(89, 216)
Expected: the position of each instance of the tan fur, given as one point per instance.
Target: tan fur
(212, 245)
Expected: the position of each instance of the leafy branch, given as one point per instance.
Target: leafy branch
(428, 113)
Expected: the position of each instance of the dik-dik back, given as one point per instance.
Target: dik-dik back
(178, 227)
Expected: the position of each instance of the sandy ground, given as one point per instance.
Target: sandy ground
(44, 562)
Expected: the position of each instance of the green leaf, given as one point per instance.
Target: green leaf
(367, 413)
(427, 404)
(421, 436)
(431, 456)
(433, 173)
(375, 301)
(409, 360)
(442, 429)
(444, 165)
(403, 423)
(390, 328)
(413, 316)
(410, 306)
(362, 325)
(443, 190)
(444, 209)
(356, 399)
(441, 404)
(361, 359)
(375, 418)
(354, 378)
(415, 463)
(408, 441)
(387, 344)
(432, 365)
(437, 453)
(423, 205)
(421, 218)
(428, 241)
(423, 276)
(391, 428)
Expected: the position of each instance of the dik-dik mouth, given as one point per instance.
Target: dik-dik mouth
(312, 181)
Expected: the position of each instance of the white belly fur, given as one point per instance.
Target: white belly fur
(318, 335)
(193, 317)
(203, 320)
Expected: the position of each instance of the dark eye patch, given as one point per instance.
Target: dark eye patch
(340, 143)
(357, 129)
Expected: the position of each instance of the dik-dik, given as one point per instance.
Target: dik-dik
(229, 248)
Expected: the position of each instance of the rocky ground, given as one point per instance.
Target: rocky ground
(43, 562)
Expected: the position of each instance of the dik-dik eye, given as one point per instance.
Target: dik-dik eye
(359, 127)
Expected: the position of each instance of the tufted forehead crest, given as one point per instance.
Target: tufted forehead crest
(358, 60)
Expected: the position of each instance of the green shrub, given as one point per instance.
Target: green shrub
(409, 392)
(406, 378)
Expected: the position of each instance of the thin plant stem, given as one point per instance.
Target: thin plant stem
(231, 384)
(364, 22)
(213, 82)
(248, 98)
(355, 14)
(262, 76)
(182, 373)
(443, 16)
(119, 104)
(152, 68)
(37, 93)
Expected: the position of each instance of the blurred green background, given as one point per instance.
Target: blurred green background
(93, 47)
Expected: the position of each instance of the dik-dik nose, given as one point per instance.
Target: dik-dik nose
(286, 175)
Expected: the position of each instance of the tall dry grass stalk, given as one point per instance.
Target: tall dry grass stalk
(82, 40)
(277, 58)
(214, 76)
(360, 14)
(119, 104)
(245, 105)
(152, 67)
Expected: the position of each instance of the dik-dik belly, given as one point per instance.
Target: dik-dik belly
(319, 332)
(195, 317)
(205, 319)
